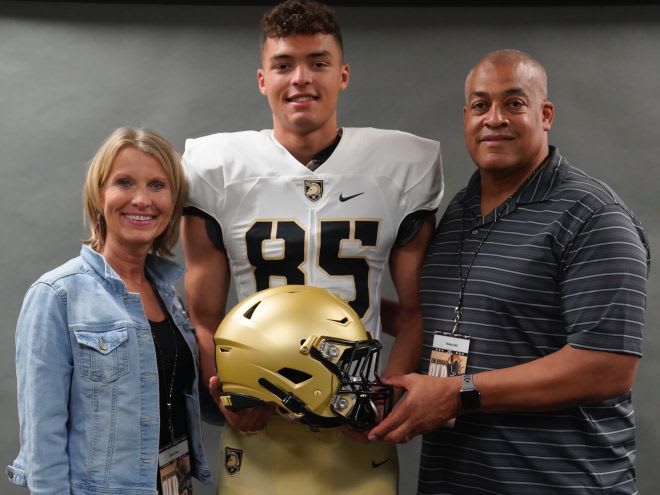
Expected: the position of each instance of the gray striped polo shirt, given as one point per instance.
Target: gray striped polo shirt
(566, 262)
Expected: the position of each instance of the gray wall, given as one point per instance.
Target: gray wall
(71, 73)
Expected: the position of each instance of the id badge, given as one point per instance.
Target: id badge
(449, 357)
(174, 468)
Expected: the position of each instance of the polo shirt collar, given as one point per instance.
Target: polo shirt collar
(540, 187)
(535, 189)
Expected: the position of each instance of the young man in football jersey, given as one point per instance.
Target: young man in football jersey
(308, 203)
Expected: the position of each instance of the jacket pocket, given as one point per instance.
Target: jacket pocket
(103, 356)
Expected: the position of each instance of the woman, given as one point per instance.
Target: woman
(106, 359)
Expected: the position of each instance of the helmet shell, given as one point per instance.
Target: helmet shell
(262, 337)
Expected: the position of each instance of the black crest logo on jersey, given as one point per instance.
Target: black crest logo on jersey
(233, 460)
(313, 189)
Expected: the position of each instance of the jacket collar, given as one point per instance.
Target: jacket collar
(163, 272)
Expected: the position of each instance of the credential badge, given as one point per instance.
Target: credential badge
(313, 189)
(233, 459)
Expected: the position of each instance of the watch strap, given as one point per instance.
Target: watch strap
(469, 395)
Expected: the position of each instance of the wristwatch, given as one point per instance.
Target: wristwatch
(469, 394)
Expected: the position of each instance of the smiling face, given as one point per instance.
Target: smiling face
(137, 201)
(507, 117)
(302, 76)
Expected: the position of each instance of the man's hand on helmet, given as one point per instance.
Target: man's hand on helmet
(428, 403)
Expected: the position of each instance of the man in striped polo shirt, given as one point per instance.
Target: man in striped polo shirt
(536, 278)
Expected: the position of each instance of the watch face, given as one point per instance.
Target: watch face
(470, 401)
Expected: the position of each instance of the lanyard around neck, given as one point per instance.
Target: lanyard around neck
(498, 212)
(462, 281)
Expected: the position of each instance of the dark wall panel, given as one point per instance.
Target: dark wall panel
(71, 72)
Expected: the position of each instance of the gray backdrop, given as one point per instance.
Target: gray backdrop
(70, 73)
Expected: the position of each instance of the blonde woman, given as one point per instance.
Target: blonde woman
(106, 358)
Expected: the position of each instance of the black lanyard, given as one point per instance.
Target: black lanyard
(498, 212)
(458, 310)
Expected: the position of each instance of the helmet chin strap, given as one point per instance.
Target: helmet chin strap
(236, 402)
(296, 406)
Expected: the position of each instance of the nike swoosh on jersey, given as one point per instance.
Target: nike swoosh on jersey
(343, 198)
(375, 464)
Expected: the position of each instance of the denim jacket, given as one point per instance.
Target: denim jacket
(88, 382)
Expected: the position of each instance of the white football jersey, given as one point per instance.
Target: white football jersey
(332, 227)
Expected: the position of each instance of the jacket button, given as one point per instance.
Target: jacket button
(102, 345)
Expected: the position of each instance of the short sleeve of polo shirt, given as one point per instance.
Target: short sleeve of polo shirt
(603, 288)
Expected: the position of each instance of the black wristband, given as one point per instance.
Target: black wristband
(469, 395)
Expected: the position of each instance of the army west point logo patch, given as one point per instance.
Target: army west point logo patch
(233, 459)
(313, 189)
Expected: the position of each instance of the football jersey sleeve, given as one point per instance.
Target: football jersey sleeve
(205, 175)
(414, 165)
(422, 191)
(423, 186)
(411, 164)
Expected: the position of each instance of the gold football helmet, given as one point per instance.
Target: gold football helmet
(306, 351)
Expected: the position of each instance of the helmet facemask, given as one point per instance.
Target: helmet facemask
(361, 399)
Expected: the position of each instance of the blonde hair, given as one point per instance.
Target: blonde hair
(148, 142)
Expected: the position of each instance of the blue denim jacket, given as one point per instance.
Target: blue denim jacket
(88, 382)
